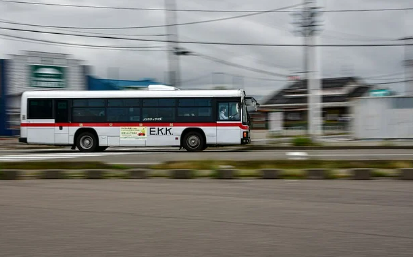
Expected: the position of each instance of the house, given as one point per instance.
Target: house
(337, 94)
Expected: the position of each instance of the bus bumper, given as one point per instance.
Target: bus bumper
(245, 141)
(22, 140)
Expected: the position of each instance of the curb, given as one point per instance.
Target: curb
(225, 174)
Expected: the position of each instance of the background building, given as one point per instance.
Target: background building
(48, 71)
(337, 94)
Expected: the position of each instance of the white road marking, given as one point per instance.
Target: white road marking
(297, 155)
(47, 156)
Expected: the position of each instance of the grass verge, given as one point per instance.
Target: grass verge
(284, 164)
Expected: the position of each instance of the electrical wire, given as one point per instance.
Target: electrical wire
(366, 39)
(130, 48)
(266, 63)
(89, 32)
(385, 75)
(192, 10)
(217, 60)
(204, 42)
(394, 82)
(167, 25)
(110, 47)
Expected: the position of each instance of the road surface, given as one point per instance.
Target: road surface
(205, 217)
(158, 155)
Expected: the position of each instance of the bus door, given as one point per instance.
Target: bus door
(61, 122)
(228, 122)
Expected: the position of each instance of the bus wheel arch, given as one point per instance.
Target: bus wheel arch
(193, 139)
(86, 140)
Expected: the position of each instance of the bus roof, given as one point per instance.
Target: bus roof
(131, 94)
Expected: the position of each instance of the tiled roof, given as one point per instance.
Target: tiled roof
(280, 97)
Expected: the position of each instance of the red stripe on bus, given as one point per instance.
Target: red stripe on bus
(137, 124)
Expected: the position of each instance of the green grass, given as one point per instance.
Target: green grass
(302, 141)
(284, 164)
(383, 174)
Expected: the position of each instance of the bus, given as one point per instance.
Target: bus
(95, 120)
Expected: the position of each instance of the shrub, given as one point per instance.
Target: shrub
(302, 141)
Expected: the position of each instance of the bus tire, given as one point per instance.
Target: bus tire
(101, 148)
(193, 142)
(87, 142)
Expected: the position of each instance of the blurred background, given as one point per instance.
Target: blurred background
(349, 49)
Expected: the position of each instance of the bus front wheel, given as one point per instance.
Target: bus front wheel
(87, 142)
(193, 142)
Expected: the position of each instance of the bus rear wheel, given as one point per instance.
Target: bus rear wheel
(193, 142)
(87, 142)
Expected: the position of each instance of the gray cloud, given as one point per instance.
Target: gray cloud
(338, 28)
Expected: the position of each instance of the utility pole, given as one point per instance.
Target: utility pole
(307, 24)
(173, 47)
(408, 67)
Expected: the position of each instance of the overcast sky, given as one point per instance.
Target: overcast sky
(271, 28)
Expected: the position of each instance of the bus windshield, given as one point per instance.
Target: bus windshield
(244, 114)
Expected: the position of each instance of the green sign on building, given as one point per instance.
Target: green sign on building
(47, 76)
(380, 92)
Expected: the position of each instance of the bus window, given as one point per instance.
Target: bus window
(123, 114)
(229, 111)
(88, 103)
(89, 115)
(158, 114)
(40, 109)
(123, 102)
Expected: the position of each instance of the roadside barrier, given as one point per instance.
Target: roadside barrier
(52, 174)
(406, 174)
(182, 174)
(316, 173)
(361, 174)
(137, 173)
(10, 174)
(226, 173)
(270, 173)
(95, 174)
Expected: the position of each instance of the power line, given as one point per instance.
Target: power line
(386, 79)
(89, 32)
(110, 47)
(239, 65)
(203, 42)
(195, 79)
(168, 25)
(361, 38)
(127, 48)
(385, 75)
(393, 82)
(266, 63)
(192, 10)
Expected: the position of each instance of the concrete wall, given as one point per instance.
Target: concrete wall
(383, 118)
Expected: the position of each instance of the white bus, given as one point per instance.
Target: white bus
(96, 120)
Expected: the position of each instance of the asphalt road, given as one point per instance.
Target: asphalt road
(205, 217)
(157, 155)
